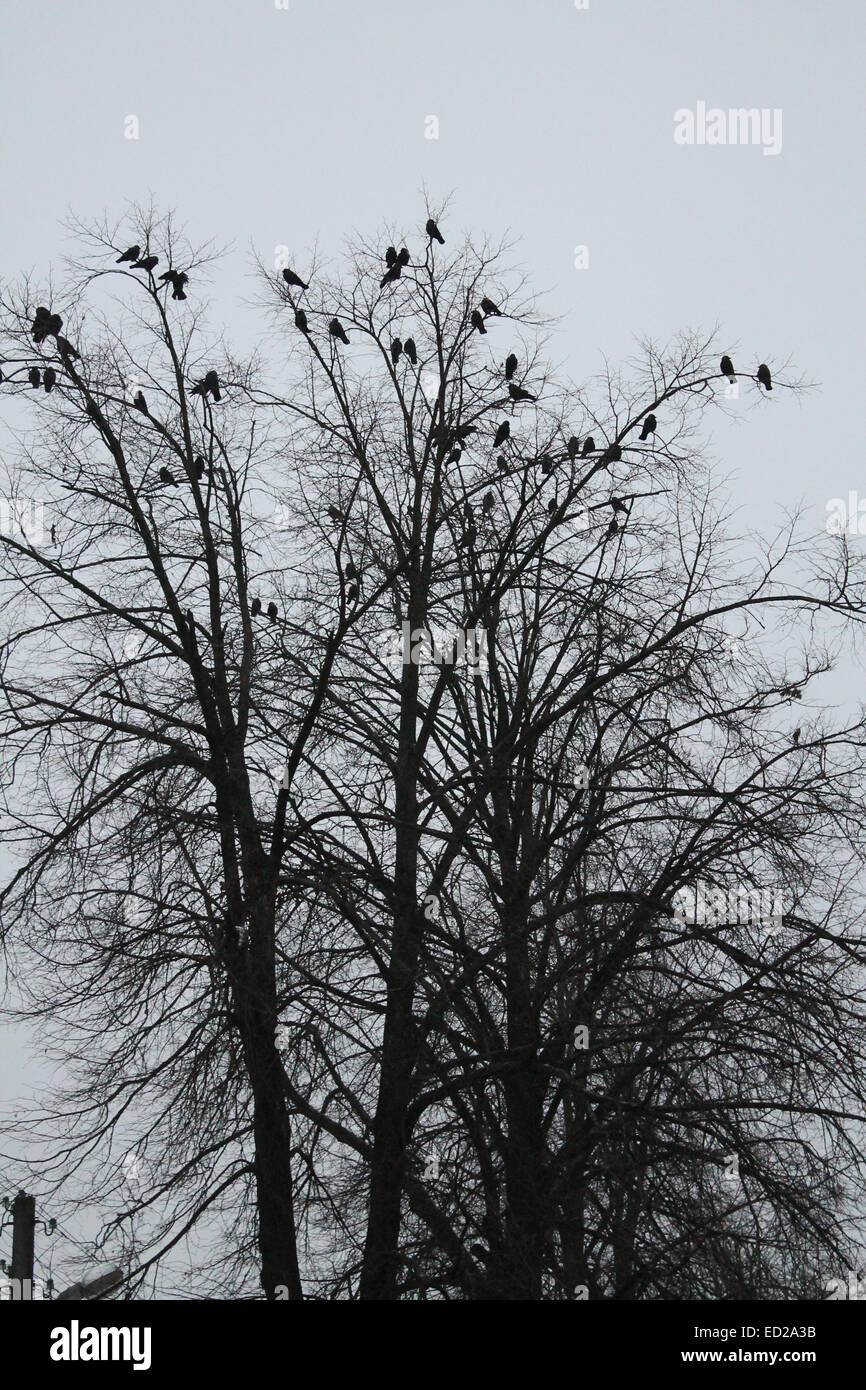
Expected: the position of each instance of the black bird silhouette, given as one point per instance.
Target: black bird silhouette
(199, 467)
(272, 612)
(403, 256)
(517, 393)
(468, 539)
(301, 321)
(455, 456)
(352, 593)
(468, 513)
(613, 527)
(552, 505)
(488, 501)
(45, 324)
(572, 446)
(489, 307)
(292, 279)
(502, 464)
(618, 504)
(132, 253)
(588, 446)
(463, 432)
(392, 274)
(34, 376)
(764, 376)
(613, 453)
(649, 427)
(335, 514)
(49, 377)
(336, 330)
(166, 477)
(797, 733)
(65, 348)
(510, 365)
(390, 256)
(208, 386)
(501, 434)
(146, 263)
(411, 351)
(350, 572)
(54, 535)
(139, 402)
(255, 607)
(177, 278)
(396, 350)
(546, 465)
(726, 368)
(477, 321)
(433, 232)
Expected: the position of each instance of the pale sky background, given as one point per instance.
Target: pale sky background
(262, 126)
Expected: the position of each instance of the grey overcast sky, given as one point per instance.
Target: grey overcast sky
(263, 126)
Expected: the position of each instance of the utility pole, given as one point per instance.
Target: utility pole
(23, 1233)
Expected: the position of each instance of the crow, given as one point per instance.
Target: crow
(433, 232)
(350, 572)
(255, 607)
(572, 446)
(335, 514)
(477, 321)
(45, 324)
(208, 386)
(336, 330)
(34, 376)
(199, 468)
(139, 402)
(392, 274)
(396, 350)
(510, 365)
(54, 535)
(764, 376)
(796, 736)
(612, 528)
(588, 446)
(132, 253)
(146, 263)
(411, 351)
(502, 464)
(468, 513)
(390, 256)
(272, 612)
(468, 539)
(352, 593)
(166, 477)
(292, 279)
(463, 432)
(301, 321)
(649, 427)
(178, 279)
(618, 505)
(547, 465)
(49, 377)
(517, 393)
(403, 256)
(726, 368)
(488, 501)
(613, 453)
(455, 456)
(552, 505)
(490, 308)
(501, 434)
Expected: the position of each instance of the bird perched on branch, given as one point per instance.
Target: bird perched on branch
(301, 321)
(335, 514)
(455, 456)
(177, 279)
(199, 468)
(510, 365)
(336, 330)
(293, 280)
(208, 386)
(649, 427)
(255, 607)
(502, 464)
(572, 447)
(488, 501)
(352, 593)
(350, 571)
(166, 477)
(139, 402)
(518, 393)
(403, 257)
(34, 376)
(612, 528)
(65, 348)
(411, 351)
(477, 321)
(764, 376)
(501, 434)
(463, 432)
(273, 612)
(796, 736)
(433, 232)
(49, 377)
(618, 504)
(546, 465)
(488, 307)
(390, 256)
(146, 263)
(396, 350)
(131, 253)
(588, 446)
(726, 368)
(613, 453)
(45, 325)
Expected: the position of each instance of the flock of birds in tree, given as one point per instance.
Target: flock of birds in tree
(48, 325)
